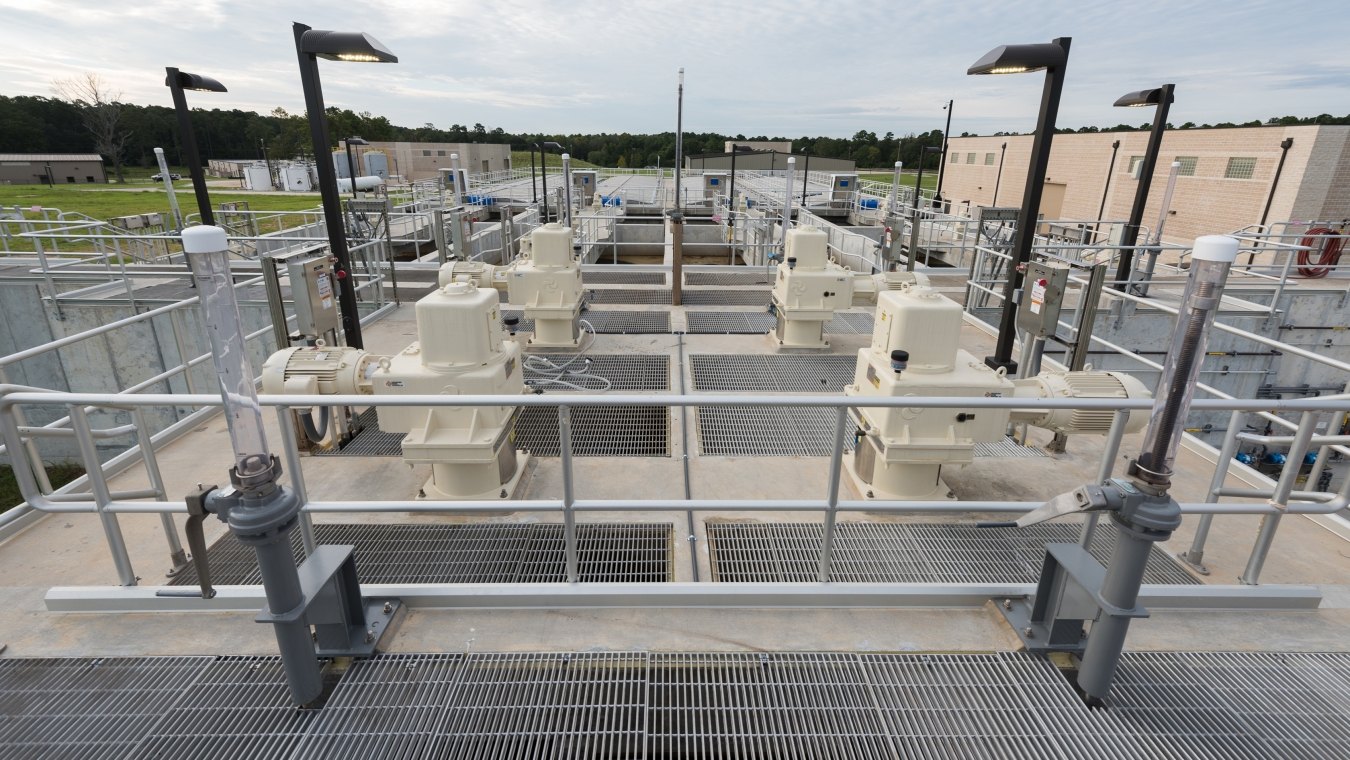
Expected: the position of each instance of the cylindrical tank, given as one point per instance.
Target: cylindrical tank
(362, 183)
(459, 324)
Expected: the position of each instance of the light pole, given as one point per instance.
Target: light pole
(914, 212)
(351, 164)
(1162, 98)
(543, 172)
(178, 81)
(1002, 151)
(1053, 58)
(310, 46)
(945, 134)
(1110, 169)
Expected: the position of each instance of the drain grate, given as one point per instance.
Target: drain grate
(597, 431)
(766, 431)
(729, 322)
(772, 373)
(725, 297)
(469, 553)
(681, 705)
(758, 322)
(609, 277)
(547, 705)
(904, 553)
(237, 707)
(625, 372)
(609, 322)
(87, 707)
(389, 706)
(755, 277)
(762, 705)
(370, 442)
(627, 295)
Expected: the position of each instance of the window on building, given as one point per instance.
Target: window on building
(71, 180)
(426, 153)
(440, 153)
(1240, 168)
(970, 158)
(1135, 161)
(956, 157)
(1187, 168)
(88, 178)
(989, 159)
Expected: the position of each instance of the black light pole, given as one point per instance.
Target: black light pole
(914, 212)
(806, 173)
(1053, 58)
(351, 164)
(945, 133)
(918, 183)
(177, 82)
(310, 46)
(1002, 151)
(1162, 98)
(534, 189)
(543, 171)
(1285, 145)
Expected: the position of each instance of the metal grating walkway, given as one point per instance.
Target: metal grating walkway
(760, 322)
(771, 373)
(597, 431)
(627, 295)
(725, 297)
(370, 442)
(609, 322)
(762, 431)
(610, 277)
(625, 372)
(866, 552)
(753, 277)
(1166, 705)
(468, 553)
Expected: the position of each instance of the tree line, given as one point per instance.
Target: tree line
(34, 124)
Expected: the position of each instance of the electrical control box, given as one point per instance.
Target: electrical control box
(584, 183)
(314, 293)
(1042, 297)
(843, 189)
(714, 184)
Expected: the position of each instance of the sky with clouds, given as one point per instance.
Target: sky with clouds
(789, 68)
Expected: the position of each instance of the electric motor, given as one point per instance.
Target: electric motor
(1083, 384)
(308, 370)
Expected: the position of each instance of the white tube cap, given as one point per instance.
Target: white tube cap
(1215, 248)
(205, 239)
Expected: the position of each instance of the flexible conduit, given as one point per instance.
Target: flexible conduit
(1330, 242)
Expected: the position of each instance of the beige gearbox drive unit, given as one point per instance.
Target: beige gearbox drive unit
(901, 451)
(462, 350)
(808, 290)
(545, 281)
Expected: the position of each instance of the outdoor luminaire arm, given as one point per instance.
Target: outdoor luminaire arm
(1053, 57)
(177, 81)
(1162, 99)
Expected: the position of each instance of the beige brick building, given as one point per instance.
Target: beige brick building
(1223, 183)
(415, 161)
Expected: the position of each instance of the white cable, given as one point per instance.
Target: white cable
(553, 373)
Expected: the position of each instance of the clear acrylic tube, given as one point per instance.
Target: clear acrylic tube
(1212, 255)
(208, 255)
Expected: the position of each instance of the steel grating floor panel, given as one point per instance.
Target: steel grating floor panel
(468, 553)
(761, 431)
(594, 277)
(597, 431)
(609, 322)
(866, 552)
(771, 373)
(725, 297)
(625, 372)
(1014, 705)
(627, 295)
(760, 322)
(754, 277)
(370, 442)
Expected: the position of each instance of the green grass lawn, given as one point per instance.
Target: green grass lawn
(60, 474)
(520, 159)
(906, 179)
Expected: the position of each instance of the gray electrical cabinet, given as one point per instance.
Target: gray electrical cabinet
(314, 293)
(584, 182)
(1042, 297)
(714, 184)
(843, 189)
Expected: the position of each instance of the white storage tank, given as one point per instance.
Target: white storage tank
(295, 178)
(257, 177)
(376, 164)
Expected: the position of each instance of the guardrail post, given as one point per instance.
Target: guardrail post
(569, 498)
(832, 496)
(112, 531)
(1307, 423)
(177, 557)
(1105, 467)
(1196, 554)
